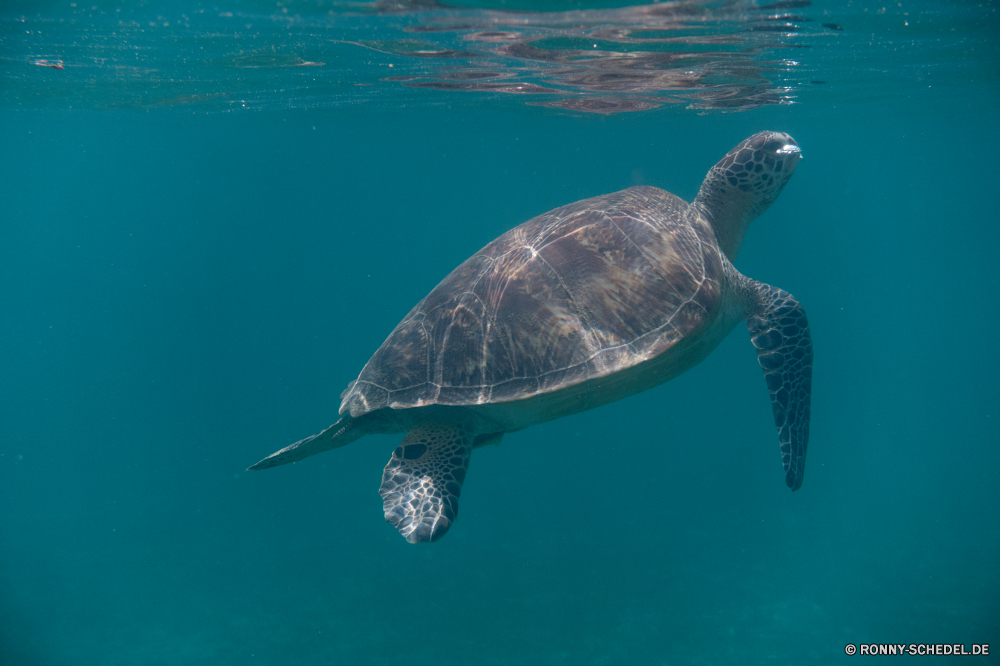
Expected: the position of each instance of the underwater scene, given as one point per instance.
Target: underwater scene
(215, 213)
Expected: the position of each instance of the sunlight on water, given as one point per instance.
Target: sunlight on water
(704, 56)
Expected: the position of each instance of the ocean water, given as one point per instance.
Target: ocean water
(214, 213)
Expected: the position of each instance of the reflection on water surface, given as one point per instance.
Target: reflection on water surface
(722, 55)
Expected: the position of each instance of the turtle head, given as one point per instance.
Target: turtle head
(744, 184)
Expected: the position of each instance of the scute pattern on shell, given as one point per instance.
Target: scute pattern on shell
(579, 292)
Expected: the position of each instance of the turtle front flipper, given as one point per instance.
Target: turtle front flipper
(422, 482)
(780, 332)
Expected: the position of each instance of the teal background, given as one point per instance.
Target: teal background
(183, 293)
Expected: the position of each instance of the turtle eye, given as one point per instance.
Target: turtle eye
(774, 145)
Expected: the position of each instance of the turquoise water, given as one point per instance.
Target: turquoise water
(204, 238)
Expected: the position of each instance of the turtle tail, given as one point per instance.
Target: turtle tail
(341, 433)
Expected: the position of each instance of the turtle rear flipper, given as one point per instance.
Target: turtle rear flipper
(341, 433)
(423, 479)
(780, 332)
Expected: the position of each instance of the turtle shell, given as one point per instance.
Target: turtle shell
(577, 293)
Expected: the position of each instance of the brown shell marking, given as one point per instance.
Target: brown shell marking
(579, 292)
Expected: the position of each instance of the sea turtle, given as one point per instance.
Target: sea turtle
(576, 308)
